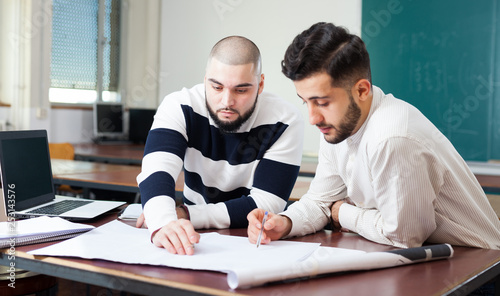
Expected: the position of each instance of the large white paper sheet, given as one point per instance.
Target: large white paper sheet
(329, 260)
(245, 264)
(323, 260)
(116, 241)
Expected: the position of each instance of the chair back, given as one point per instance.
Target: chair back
(61, 151)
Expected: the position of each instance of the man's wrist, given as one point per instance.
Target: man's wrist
(335, 215)
(288, 227)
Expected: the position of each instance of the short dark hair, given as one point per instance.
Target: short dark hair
(325, 47)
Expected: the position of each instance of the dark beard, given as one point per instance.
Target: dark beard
(230, 126)
(348, 123)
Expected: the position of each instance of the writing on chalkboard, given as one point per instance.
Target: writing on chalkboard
(460, 111)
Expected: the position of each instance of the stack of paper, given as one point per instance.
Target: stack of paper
(131, 212)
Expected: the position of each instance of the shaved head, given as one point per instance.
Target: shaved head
(237, 50)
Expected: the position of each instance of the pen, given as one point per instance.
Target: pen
(261, 229)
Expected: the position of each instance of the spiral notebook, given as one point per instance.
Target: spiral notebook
(38, 230)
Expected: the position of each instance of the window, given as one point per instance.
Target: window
(84, 63)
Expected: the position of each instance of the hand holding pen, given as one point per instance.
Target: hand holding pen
(259, 238)
(263, 229)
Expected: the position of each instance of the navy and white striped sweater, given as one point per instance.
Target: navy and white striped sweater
(226, 175)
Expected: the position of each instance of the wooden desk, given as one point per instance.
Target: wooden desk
(467, 270)
(110, 153)
(489, 183)
(488, 175)
(68, 167)
(91, 175)
(94, 175)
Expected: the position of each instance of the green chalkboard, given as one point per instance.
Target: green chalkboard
(441, 56)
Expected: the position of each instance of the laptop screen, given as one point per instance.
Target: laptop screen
(25, 166)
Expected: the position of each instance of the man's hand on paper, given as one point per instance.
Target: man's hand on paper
(276, 226)
(177, 237)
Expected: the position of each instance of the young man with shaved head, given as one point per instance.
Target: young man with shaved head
(239, 146)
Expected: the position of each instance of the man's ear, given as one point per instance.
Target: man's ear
(261, 83)
(362, 89)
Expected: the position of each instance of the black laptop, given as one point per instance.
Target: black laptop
(27, 185)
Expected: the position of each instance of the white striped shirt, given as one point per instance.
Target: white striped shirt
(407, 182)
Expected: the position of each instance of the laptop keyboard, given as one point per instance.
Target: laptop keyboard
(59, 207)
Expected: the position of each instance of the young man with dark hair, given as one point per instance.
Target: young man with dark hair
(384, 170)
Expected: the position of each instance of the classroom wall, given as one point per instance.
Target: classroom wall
(190, 28)
(81, 126)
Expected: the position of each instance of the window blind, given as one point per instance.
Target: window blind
(74, 62)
